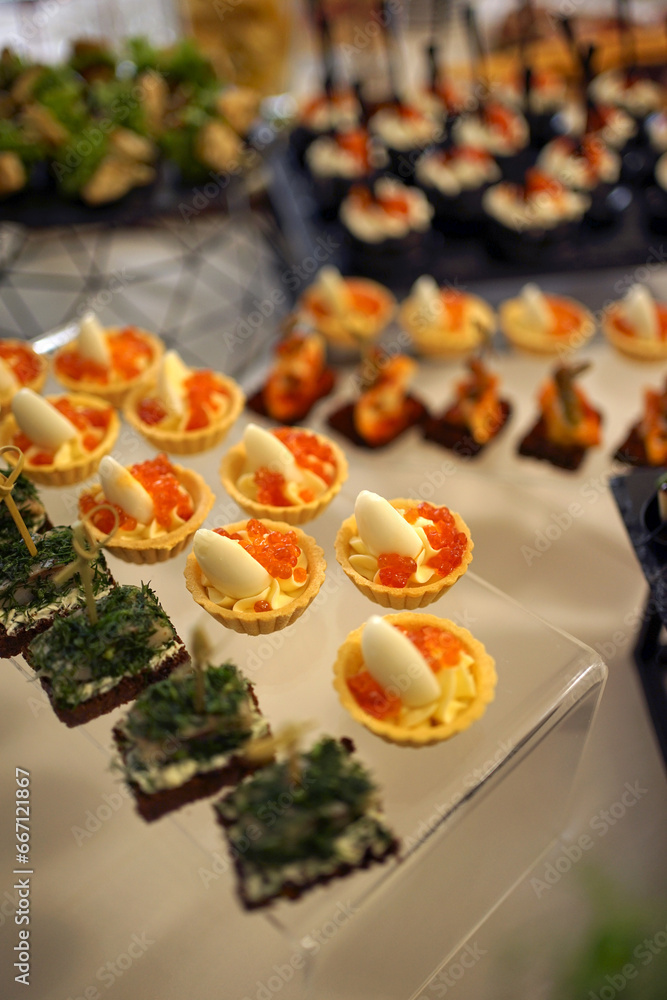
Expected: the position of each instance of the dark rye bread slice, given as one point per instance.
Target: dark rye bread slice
(153, 805)
(54, 549)
(288, 888)
(456, 437)
(536, 444)
(325, 384)
(633, 449)
(118, 648)
(126, 690)
(342, 421)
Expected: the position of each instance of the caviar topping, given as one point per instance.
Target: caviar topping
(24, 363)
(130, 356)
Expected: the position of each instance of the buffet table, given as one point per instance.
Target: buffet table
(136, 910)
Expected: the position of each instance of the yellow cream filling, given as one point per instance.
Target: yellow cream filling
(366, 564)
(278, 594)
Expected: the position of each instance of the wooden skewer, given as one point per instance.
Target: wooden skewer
(87, 548)
(7, 484)
(201, 654)
(287, 739)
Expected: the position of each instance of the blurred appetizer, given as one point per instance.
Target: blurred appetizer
(385, 408)
(636, 325)
(186, 410)
(454, 180)
(298, 379)
(445, 322)
(567, 426)
(646, 443)
(62, 438)
(475, 418)
(348, 312)
(20, 367)
(288, 474)
(107, 361)
(544, 323)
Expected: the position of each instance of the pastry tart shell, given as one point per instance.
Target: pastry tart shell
(163, 547)
(264, 622)
(177, 442)
(526, 337)
(114, 392)
(349, 661)
(638, 348)
(36, 384)
(77, 471)
(342, 329)
(435, 339)
(232, 467)
(400, 598)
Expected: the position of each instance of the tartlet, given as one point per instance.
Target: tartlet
(156, 547)
(26, 368)
(360, 313)
(350, 662)
(273, 619)
(233, 466)
(179, 440)
(620, 333)
(409, 597)
(445, 322)
(569, 326)
(78, 374)
(98, 423)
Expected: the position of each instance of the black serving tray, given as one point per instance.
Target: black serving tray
(634, 494)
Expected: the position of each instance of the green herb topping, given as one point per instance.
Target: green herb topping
(30, 507)
(276, 821)
(133, 634)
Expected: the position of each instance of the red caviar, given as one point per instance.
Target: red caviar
(158, 478)
(130, 355)
(372, 697)
(442, 535)
(278, 552)
(310, 453)
(22, 360)
(92, 422)
(203, 392)
(395, 570)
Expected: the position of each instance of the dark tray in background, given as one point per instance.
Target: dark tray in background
(626, 242)
(633, 494)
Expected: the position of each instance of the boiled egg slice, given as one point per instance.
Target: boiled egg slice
(383, 529)
(333, 289)
(92, 342)
(8, 381)
(170, 382)
(536, 307)
(40, 421)
(428, 298)
(396, 663)
(264, 451)
(121, 488)
(640, 312)
(227, 565)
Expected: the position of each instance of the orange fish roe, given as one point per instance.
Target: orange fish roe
(130, 354)
(270, 488)
(395, 570)
(372, 697)
(309, 452)
(22, 360)
(276, 551)
(261, 606)
(158, 478)
(438, 647)
(203, 392)
(626, 328)
(443, 536)
(91, 422)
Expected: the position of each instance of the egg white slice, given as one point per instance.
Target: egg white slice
(92, 342)
(396, 663)
(170, 382)
(383, 529)
(8, 381)
(640, 312)
(120, 487)
(264, 451)
(228, 566)
(46, 426)
(536, 307)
